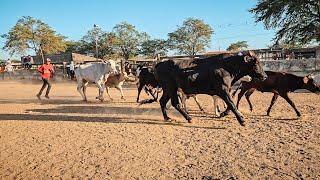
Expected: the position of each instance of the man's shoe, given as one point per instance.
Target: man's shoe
(38, 96)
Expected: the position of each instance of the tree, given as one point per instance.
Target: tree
(73, 46)
(296, 20)
(127, 40)
(192, 37)
(30, 33)
(287, 45)
(152, 47)
(88, 41)
(238, 46)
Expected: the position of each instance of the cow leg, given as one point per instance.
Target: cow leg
(163, 102)
(177, 106)
(274, 99)
(182, 100)
(241, 93)
(196, 100)
(101, 90)
(139, 91)
(147, 90)
(215, 105)
(224, 95)
(286, 97)
(84, 89)
(107, 90)
(80, 90)
(120, 89)
(248, 94)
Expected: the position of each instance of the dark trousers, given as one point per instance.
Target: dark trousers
(45, 83)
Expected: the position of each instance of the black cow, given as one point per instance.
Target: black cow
(146, 80)
(280, 83)
(213, 76)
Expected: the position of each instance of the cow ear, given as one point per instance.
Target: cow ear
(305, 79)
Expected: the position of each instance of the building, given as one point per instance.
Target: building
(64, 57)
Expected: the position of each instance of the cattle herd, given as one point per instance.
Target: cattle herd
(181, 79)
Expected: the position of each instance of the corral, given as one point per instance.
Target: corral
(66, 138)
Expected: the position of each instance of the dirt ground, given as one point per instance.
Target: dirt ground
(66, 138)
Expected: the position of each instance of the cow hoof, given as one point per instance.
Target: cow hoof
(167, 119)
(242, 123)
(223, 114)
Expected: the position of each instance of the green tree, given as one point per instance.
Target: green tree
(29, 34)
(88, 41)
(73, 46)
(150, 48)
(192, 37)
(127, 40)
(296, 20)
(238, 46)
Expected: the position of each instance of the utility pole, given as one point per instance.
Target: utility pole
(41, 54)
(96, 38)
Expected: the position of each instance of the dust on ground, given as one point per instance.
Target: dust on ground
(66, 138)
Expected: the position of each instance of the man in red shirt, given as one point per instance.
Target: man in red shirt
(46, 71)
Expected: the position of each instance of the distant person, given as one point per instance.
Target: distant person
(29, 62)
(24, 62)
(46, 71)
(9, 69)
(71, 68)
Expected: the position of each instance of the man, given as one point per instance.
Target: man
(46, 71)
(9, 69)
(29, 62)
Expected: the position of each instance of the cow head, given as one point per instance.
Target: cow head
(310, 84)
(111, 65)
(252, 65)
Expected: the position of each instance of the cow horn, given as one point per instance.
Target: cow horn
(246, 59)
(305, 79)
(310, 75)
(251, 53)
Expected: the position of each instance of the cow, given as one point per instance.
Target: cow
(183, 97)
(213, 76)
(280, 83)
(96, 73)
(146, 80)
(116, 81)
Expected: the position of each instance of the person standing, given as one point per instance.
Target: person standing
(46, 71)
(9, 69)
(71, 70)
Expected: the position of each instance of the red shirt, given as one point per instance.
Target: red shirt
(46, 71)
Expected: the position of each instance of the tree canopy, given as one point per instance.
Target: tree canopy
(192, 37)
(295, 20)
(29, 34)
(238, 46)
(150, 48)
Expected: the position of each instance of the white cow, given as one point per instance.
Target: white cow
(94, 72)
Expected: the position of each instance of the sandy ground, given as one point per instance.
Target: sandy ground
(66, 138)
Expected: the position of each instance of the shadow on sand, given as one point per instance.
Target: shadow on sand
(112, 120)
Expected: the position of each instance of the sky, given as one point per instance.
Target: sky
(229, 19)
